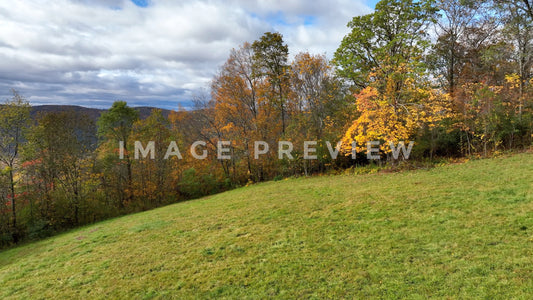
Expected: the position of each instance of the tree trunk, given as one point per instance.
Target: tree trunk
(13, 207)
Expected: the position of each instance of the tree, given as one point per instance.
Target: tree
(524, 6)
(394, 34)
(14, 122)
(235, 93)
(519, 31)
(205, 126)
(115, 126)
(383, 56)
(395, 117)
(63, 142)
(196, 175)
(319, 106)
(309, 76)
(528, 7)
(458, 16)
(152, 177)
(271, 62)
(242, 107)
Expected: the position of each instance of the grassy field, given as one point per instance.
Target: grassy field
(457, 231)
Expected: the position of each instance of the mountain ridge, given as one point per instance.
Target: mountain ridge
(92, 113)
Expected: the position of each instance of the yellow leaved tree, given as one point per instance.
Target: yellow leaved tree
(395, 109)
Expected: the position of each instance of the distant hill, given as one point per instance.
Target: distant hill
(93, 113)
(145, 111)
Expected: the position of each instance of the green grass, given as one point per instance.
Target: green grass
(458, 231)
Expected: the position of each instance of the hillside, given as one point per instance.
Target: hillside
(456, 231)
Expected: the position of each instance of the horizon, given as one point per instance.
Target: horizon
(97, 108)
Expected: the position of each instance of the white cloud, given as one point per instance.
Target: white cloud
(94, 52)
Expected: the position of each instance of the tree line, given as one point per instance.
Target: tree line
(455, 76)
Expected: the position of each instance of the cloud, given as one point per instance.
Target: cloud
(154, 52)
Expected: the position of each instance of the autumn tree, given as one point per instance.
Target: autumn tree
(524, 7)
(319, 106)
(243, 108)
(519, 30)
(528, 4)
(182, 129)
(383, 56)
(313, 86)
(60, 149)
(14, 122)
(152, 180)
(5, 213)
(115, 127)
(204, 130)
(450, 50)
(479, 46)
(271, 63)
(235, 91)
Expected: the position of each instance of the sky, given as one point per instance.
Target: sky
(158, 53)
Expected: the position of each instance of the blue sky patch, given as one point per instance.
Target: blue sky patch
(277, 18)
(141, 3)
(309, 20)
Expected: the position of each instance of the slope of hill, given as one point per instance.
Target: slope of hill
(457, 231)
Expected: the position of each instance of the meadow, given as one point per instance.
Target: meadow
(454, 231)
